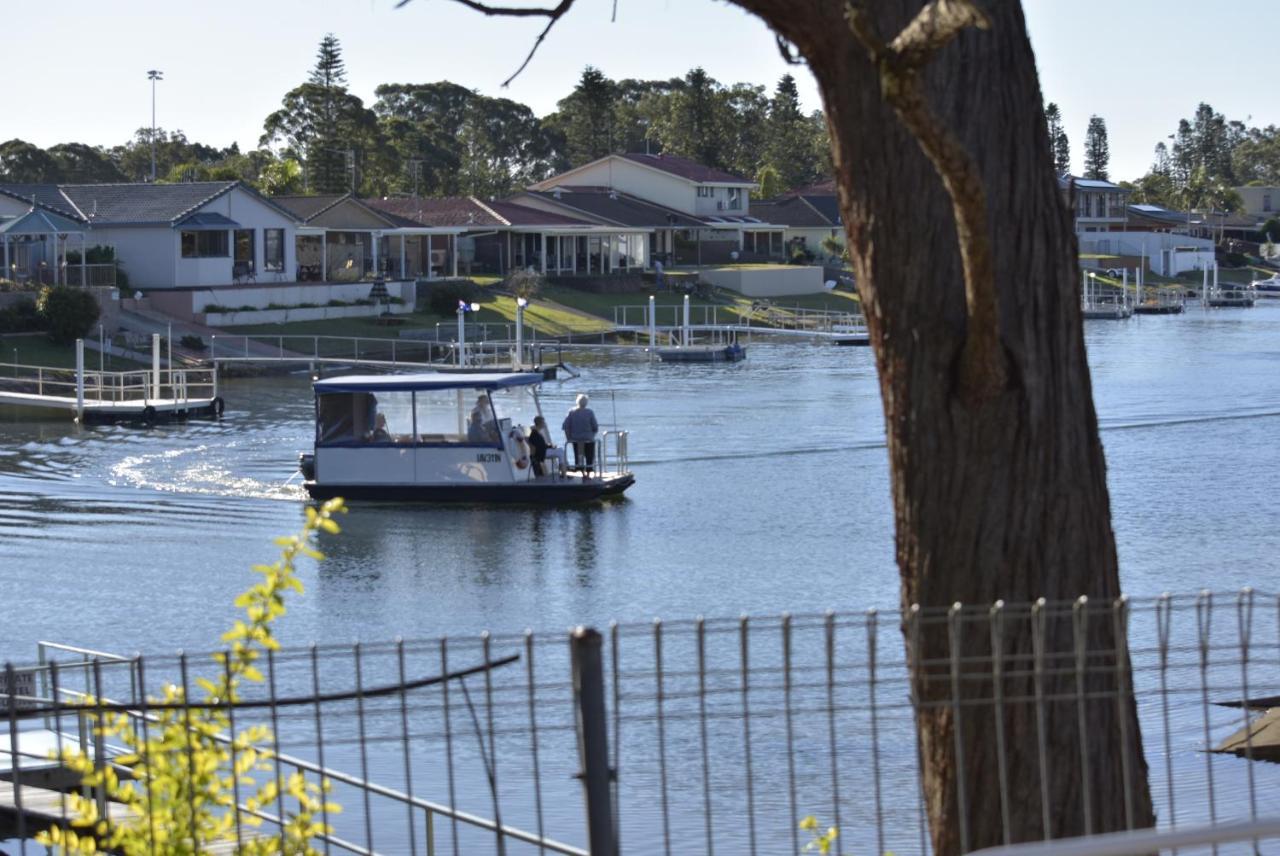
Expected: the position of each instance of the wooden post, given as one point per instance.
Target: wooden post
(593, 741)
(155, 365)
(80, 380)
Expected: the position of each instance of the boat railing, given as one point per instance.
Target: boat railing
(615, 459)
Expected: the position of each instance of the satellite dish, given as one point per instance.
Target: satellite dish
(733, 255)
(137, 295)
(829, 285)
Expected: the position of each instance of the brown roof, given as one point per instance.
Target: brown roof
(468, 211)
(443, 211)
(523, 215)
(306, 207)
(685, 168)
(792, 211)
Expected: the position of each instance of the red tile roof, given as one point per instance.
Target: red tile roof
(685, 168)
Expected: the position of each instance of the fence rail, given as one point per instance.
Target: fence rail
(720, 734)
(137, 386)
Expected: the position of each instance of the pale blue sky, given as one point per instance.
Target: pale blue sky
(1140, 64)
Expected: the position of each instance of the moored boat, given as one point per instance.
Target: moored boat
(446, 437)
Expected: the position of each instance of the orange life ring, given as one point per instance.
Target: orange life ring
(521, 449)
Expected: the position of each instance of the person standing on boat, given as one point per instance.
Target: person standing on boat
(580, 428)
(538, 444)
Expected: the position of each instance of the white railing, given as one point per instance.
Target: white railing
(619, 458)
(761, 316)
(118, 387)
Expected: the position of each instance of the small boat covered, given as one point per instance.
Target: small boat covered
(1269, 287)
(704, 354)
(446, 437)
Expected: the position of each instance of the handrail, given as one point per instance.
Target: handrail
(431, 808)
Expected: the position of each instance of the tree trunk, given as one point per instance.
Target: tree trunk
(1002, 496)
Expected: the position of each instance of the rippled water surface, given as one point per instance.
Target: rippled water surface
(761, 487)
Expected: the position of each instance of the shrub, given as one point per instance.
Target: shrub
(21, 317)
(69, 312)
(525, 283)
(338, 303)
(181, 784)
(277, 306)
(443, 297)
(249, 308)
(216, 307)
(192, 342)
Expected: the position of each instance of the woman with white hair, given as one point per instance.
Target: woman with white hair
(580, 428)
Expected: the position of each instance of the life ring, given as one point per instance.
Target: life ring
(149, 415)
(218, 405)
(520, 449)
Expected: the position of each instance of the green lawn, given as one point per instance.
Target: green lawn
(39, 351)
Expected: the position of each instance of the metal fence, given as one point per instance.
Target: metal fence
(720, 735)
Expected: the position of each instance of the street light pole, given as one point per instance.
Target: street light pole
(153, 75)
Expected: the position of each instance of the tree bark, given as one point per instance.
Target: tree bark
(998, 496)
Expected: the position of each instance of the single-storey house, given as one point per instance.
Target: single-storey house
(194, 235)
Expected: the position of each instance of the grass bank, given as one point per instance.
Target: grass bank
(37, 350)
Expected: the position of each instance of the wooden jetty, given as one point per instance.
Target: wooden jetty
(145, 395)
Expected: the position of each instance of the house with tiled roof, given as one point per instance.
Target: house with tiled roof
(192, 235)
(697, 214)
(504, 235)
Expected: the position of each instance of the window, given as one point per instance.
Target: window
(244, 250)
(273, 249)
(1266, 202)
(706, 192)
(735, 198)
(204, 244)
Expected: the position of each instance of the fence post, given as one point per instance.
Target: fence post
(79, 380)
(593, 740)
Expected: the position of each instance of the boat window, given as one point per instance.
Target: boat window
(515, 406)
(456, 416)
(344, 418)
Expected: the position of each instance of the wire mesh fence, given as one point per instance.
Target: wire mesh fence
(720, 735)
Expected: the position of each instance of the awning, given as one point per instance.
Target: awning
(426, 380)
(208, 220)
(39, 222)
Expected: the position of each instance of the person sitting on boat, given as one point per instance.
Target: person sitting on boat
(538, 444)
(379, 434)
(580, 428)
(480, 427)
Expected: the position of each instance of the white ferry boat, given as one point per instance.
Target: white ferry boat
(447, 437)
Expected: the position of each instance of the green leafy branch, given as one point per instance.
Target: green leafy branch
(174, 789)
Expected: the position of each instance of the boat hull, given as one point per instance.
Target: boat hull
(567, 492)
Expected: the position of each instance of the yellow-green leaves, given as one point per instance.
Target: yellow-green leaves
(185, 767)
(820, 842)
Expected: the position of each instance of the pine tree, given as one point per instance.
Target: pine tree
(330, 71)
(588, 117)
(787, 148)
(1059, 146)
(1097, 154)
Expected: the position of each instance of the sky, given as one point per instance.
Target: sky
(1140, 64)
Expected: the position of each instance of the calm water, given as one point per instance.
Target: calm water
(761, 487)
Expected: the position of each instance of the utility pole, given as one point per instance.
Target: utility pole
(153, 75)
(416, 165)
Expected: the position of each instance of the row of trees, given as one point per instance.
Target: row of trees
(1206, 156)
(441, 139)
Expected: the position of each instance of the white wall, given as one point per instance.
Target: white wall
(649, 184)
(780, 281)
(145, 253)
(250, 213)
(709, 206)
(11, 206)
(1167, 254)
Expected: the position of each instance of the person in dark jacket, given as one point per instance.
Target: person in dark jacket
(580, 428)
(538, 446)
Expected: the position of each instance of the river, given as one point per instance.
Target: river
(761, 487)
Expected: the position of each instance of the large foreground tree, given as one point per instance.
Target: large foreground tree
(966, 268)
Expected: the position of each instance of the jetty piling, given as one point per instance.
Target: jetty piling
(80, 380)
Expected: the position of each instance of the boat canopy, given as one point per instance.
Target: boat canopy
(426, 380)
